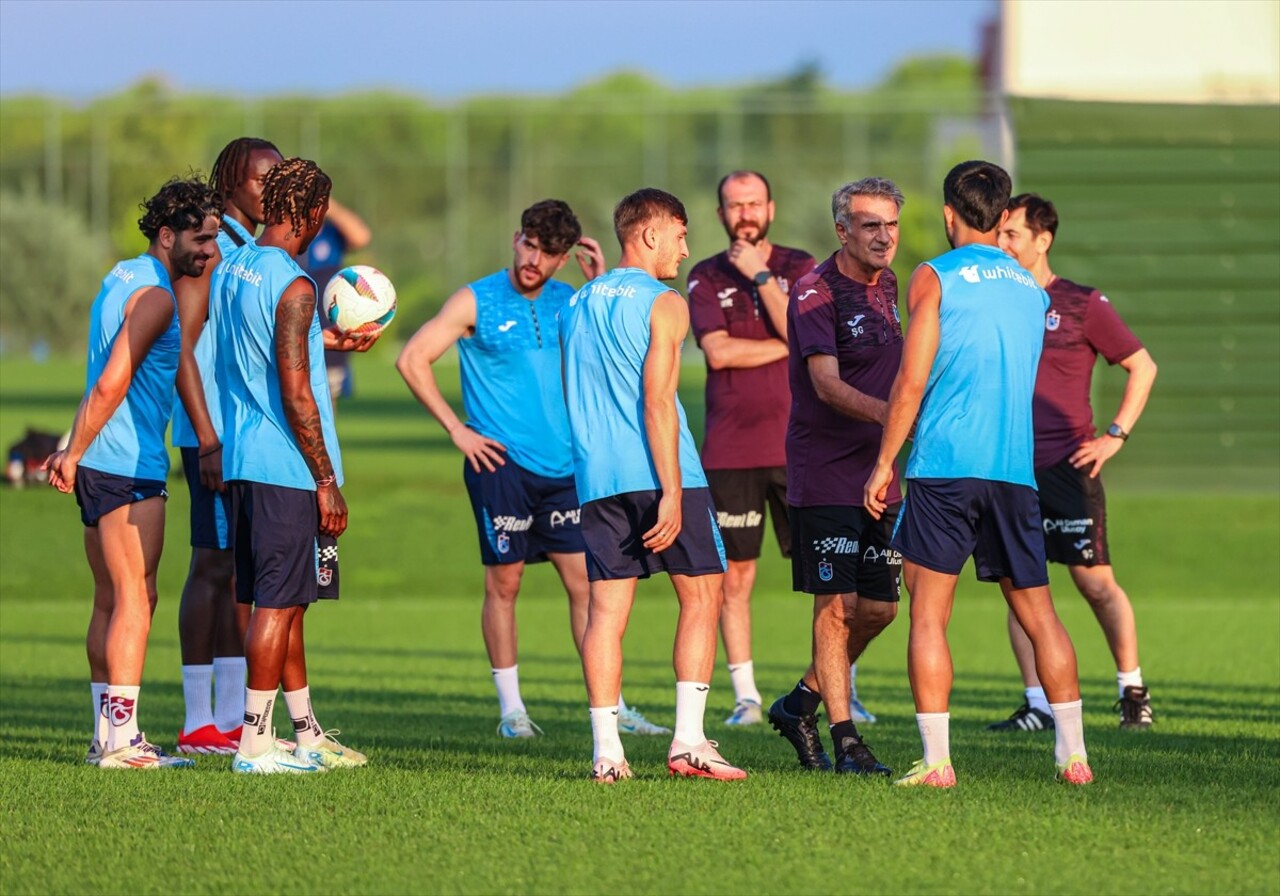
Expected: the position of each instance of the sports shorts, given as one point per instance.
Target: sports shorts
(210, 510)
(843, 550)
(1073, 508)
(278, 553)
(99, 493)
(613, 529)
(521, 516)
(943, 522)
(740, 497)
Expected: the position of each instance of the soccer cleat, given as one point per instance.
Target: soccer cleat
(746, 712)
(940, 775)
(1025, 718)
(631, 721)
(274, 761)
(142, 755)
(1075, 770)
(518, 724)
(854, 757)
(205, 740)
(330, 753)
(859, 714)
(802, 732)
(234, 736)
(606, 771)
(1135, 708)
(701, 761)
(94, 756)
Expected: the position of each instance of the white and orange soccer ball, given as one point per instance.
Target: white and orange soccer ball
(359, 299)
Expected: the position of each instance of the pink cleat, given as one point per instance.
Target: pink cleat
(606, 771)
(940, 775)
(1075, 771)
(702, 761)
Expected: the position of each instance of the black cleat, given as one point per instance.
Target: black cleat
(802, 732)
(854, 757)
(1025, 718)
(1135, 708)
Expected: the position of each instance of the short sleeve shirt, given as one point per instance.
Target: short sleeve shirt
(1081, 324)
(829, 455)
(747, 407)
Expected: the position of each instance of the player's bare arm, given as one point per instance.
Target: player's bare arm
(192, 294)
(924, 303)
(746, 257)
(455, 320)
(147, 315)
(824, 370)
(294, 314)
(1141, 369)
(590, 258)
(669, 323)
(724, 351)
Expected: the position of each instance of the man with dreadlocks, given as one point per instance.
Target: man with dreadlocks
(116, 463)
(211, 640)
(281, 463)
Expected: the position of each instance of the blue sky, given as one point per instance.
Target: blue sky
(449, 49)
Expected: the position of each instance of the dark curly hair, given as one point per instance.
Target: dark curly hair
(181, 204)
(554, 225)
(292, 191)
(232, 165)
(644, 206)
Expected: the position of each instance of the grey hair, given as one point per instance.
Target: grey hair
(868, 186)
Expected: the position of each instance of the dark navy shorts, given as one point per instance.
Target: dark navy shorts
(99, 493)
(1074, 510)
(279, 559)
(843, 550)
(210, 511)
(740, 497)
(613, 529)
(521, 516)
(945, 521)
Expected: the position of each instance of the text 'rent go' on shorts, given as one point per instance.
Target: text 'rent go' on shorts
(741, 497)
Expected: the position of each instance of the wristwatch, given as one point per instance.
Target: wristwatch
(1116, 432)
(762, 278)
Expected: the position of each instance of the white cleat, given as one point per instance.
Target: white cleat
(330, 753)
(631, 721)
(746, 712)
(518, 724)
(274, 761)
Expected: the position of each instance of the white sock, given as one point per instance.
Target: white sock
(935, 734)
(306, 730)
(1068, 722)
(743, 676)
(99, 691)
(228, 692)
(197, 693)
(257, 736)
(853, 681)
(507, 681)
(1037, 700)
(1129, 679)
(604, 732)
(691, 706)
(122, 712)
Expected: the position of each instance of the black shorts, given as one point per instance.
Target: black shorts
(521, 516)
(210, 511)
(843, 550)
(278, 555)
(613, 529)
(99, 493)
(1074, 510)
(945, 521)
(740, 497)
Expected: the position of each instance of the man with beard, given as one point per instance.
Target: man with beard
(738, 313)
(645, 503)
(116, 463)
(519, 466)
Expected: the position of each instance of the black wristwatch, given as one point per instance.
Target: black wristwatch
(762, 278)
(1116, 432)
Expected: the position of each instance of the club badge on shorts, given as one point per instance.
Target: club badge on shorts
(825, 571)
(327, 567)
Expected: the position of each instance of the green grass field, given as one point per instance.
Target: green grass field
(445, 806)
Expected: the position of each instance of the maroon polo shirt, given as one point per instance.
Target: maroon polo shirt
(746, 406)
(1079, 325)
(830, 456)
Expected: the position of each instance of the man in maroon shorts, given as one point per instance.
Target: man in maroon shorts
(738, 312)
(1080, 325)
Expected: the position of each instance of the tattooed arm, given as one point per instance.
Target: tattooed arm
(294, 316)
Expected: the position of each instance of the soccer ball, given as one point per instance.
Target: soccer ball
(359, 299)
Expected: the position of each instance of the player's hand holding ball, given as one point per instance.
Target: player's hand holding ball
(358, 303)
